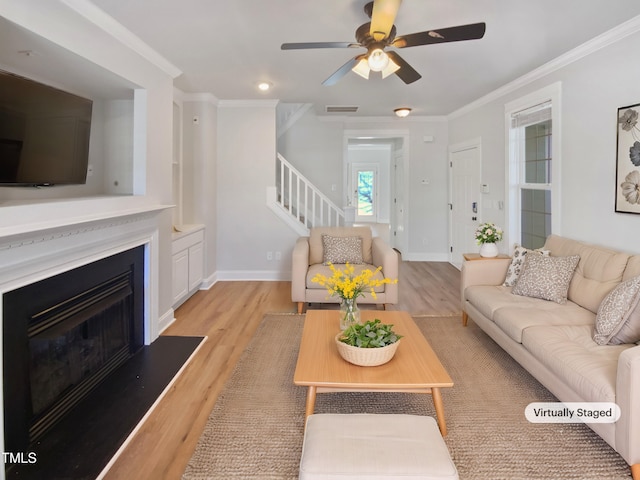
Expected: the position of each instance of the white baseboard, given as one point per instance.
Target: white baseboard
(165, 320)
(209, 282)
(260, 275)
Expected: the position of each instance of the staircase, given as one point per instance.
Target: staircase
(299, 203)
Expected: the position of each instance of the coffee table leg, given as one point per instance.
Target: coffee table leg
(311, 401)
(439, 406)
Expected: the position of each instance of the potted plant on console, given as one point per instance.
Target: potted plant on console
(487, 234)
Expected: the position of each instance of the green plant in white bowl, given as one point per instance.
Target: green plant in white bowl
(371, 334)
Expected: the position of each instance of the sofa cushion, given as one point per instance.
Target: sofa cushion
(570, 352)
(316, 252)
(517, 261)
(319, 268)
(618, 319)
(488, 299)
(546, 277)
(598, 272)
(514, 320)
(633, 268)
(342, 250)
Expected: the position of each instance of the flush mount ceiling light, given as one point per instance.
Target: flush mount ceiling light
(402, 112)
(264, 86)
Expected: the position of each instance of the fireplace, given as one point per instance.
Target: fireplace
(62, 336)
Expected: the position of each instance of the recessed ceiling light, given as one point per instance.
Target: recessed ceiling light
(402, 112)
(264, 86)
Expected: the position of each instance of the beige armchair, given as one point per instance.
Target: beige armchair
(309, 257)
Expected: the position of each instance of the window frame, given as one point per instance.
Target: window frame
(514, 177)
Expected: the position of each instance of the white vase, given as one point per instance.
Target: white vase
(488, 250)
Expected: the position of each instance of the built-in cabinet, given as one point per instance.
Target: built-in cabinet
(187, 262)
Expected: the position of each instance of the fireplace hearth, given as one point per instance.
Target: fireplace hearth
(62, 336)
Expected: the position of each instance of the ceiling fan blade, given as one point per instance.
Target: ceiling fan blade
(406, 72)
(473, 31)
(300, 46)
(382, 17)
(341, 72)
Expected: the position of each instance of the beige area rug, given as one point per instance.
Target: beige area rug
(255, 430)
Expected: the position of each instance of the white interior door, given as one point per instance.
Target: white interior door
(465, 200)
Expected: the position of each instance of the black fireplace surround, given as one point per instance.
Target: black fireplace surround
(62, 336)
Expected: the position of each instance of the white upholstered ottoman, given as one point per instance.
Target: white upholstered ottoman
(372, 447)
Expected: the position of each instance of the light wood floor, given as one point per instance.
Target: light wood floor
(228, 315)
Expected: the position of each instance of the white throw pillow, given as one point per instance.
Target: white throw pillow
(618, 317)
(517, 261)
(546, 277)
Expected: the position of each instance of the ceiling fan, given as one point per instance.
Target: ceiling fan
(379, 34)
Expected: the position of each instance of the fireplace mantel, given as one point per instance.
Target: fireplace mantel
(25, 217)
(40, 240)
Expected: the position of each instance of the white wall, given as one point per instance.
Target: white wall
(593, 88)
(316, 149)
(200, 173)
(315, 145)
(246, 228)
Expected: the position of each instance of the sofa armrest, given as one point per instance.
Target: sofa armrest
(386, 257)
(299, 268)
(483, 272)
(628, 399)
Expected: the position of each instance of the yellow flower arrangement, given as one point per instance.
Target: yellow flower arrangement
(347, 285)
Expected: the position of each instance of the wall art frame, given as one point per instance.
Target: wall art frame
(628, 160)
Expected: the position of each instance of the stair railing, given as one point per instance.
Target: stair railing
(302, 200)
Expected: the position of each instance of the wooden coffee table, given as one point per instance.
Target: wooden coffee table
(415, 368)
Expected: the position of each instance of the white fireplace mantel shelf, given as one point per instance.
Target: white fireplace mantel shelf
(23, 218)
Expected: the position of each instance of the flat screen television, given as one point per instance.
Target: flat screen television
(44, 134)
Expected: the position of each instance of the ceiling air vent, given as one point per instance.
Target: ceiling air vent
(341, 108)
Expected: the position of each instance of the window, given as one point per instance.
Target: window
(533, 130)
(365, 193)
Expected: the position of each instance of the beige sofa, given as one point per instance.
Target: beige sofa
(554, 342)
(308, 258)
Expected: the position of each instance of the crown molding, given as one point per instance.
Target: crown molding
(107, 23)
(603, 40)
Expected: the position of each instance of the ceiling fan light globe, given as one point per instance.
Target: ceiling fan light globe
(378, 60)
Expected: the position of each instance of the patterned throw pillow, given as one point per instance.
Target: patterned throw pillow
(517, 261)
(546, 277)
(618, 317)
(342, 249)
